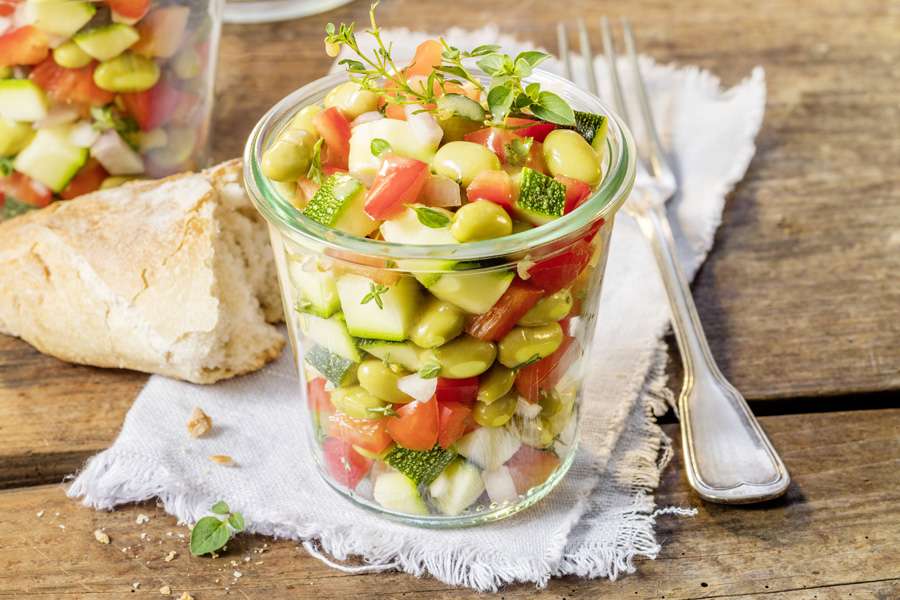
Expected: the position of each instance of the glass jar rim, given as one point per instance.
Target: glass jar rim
(278, 211)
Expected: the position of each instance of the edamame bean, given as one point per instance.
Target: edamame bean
(465, 356)
(128, 72)
(480, 220)
(358, 403)
(351, 99)
(534, 432)
(462, 161)
(439, 323)
(568, 154)
(495, 414)
(71, 56)
(495, 384)
(288, 158)
(548, 310)
(304, 119)
(525, 344)
(381, 381)
(551, 403)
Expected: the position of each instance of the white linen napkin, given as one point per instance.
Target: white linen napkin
(593, 524)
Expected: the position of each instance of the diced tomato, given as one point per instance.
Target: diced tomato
(456, 390)
(494, 138)
(130, 9)
(506, 312)
(427, 57)
(529, 467)
(495, 186)
(454, 419)
(535, 159)
(344, 464)
(554, 273)
(416, 425)
(23, 46)
(545, 373)
(532, 128)
(87, 180)
(162, 31)
(70, 86)
(369, 434)
(334, 128)
(8, 7)
(398, 182)
(317, 396)
(576, 192)
(154, 107)
(25, 189)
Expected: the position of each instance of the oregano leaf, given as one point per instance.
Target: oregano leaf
(220, 508)
(554, 109)
(208, 535)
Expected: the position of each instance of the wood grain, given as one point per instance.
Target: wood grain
(836, 533)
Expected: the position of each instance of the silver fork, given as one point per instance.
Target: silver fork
(728, 457)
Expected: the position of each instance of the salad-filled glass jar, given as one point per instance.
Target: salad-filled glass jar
(441, 362)
(93, 94)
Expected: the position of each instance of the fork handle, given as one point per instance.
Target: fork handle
(728, 457)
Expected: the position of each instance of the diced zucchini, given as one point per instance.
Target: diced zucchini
(108, 41)
(59, 17)
(457, 487)
(373, 312)
(317, 289)
(405, 228)
(332, 334)
(339, 203)
(396, 491)
(405, 354)
(592, 127)
(14, 136)
(337, 369)
(450, 105)
(51, 158)
(22, 100)
(488, 447)
(421, 467)
(474, 293)
(541, 198)
(399, 134)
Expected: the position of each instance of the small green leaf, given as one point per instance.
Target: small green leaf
(315, 164)
(6, 166)
(208, 535)
(491, 64)
(329, 28)
(431, 218)
(499, 99)
(551, 107)
(483, 50)
(517, 151)
(379, 146)
(452, 70)
(353, 66)
(533, 90)
(220, 508)
(429, 371)
(375, 292)
(532, 57)
(236, 520)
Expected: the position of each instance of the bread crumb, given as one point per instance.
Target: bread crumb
(135, 585)
(170, 556)
(141, 519)
(101, 537)
(39, 514)
(222, 459)
(186, 596)
(237, 574)
(165, 590)
(199, 423)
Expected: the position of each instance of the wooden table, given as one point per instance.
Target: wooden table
(800, 298)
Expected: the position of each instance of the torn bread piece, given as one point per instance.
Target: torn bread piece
(174, 277)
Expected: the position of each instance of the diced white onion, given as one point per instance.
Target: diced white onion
(420, 389)
(527, 409)
(116, 156)
(499, 485)
(424, 125)
(367, 117)
(83, 134)
(57, 115)
(440, 191)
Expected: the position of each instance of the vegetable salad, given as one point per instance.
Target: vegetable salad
(95, 93)
(451, 390)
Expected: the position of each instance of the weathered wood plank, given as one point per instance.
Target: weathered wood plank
(835, 533)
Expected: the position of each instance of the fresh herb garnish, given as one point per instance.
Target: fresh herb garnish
(314, 173)
(429, 371)
(6, 166)
(375, 292)
(379, 146)
(430, 217)
(212, 533)
(518, 150)
(107, 117)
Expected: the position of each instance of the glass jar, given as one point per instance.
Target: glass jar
(93, 94)
(420, 414)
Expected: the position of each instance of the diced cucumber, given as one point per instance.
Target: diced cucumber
(457, 487)
(421, 467)
(108, 41)
(541, 198)
(337, 369)
(396, 491)
(488, 447)
(592, 127)
(317, 289)
(399, 134)
(373, 312)
(59, 17)
(51, 158)
(339, 203)
(14, 136)
(474, 293)
(405, 354)
(406, 228)
(332, 334)
(450, 105)
(22, 100)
